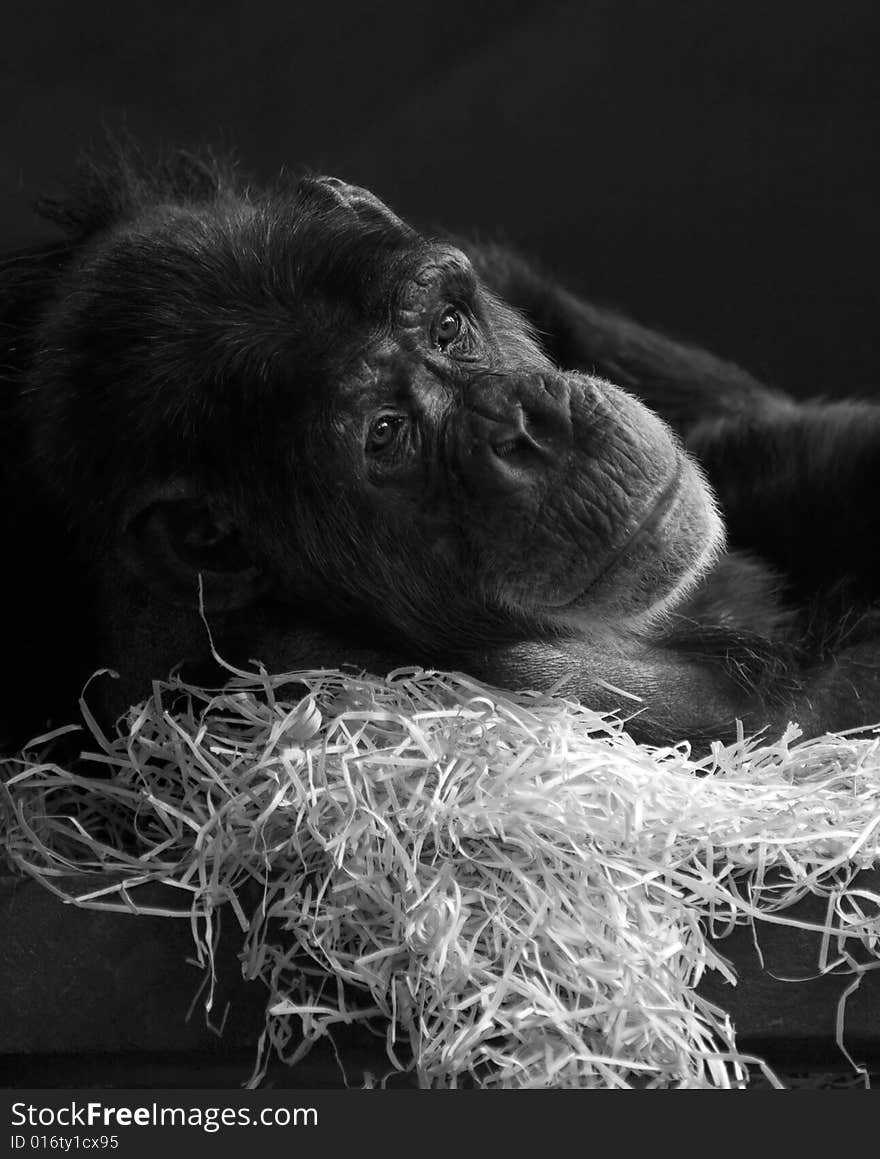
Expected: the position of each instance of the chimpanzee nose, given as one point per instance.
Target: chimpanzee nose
(516, 429)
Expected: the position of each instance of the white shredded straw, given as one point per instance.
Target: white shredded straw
(507, 889)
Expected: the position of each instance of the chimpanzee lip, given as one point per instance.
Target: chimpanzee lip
(655, 514)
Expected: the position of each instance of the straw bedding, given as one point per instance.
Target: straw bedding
(507, 889)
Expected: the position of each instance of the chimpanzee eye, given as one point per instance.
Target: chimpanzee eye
(448, 327)
(383, 431)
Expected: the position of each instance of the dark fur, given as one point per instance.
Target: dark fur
(183, 379)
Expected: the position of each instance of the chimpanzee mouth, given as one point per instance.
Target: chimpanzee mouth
(653, 518)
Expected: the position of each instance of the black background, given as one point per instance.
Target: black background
(709, 167)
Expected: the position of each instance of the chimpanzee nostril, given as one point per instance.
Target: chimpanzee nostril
(518, 445)
(506, 447)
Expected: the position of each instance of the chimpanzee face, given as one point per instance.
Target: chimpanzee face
(469, 461)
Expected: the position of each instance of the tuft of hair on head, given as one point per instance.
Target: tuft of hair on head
(117, 180)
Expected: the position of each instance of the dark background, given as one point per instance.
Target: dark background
(709, 167)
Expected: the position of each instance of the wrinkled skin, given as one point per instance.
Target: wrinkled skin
(353, 437)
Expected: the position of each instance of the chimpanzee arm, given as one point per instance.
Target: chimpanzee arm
(670, 696)
(717, 664)
(682, 383)
(667, 697)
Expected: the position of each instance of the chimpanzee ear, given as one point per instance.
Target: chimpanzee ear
(175, 534)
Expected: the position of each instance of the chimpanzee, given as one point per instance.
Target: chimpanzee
(374, 447)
